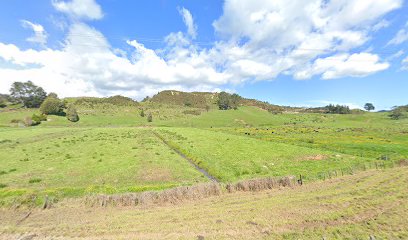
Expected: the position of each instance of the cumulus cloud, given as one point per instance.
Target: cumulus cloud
(259, 40)
(344, 65)
(83, 9)
(189, 21)
(90, 66)
(40, 35)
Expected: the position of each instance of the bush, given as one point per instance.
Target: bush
(72, 114)
(150, 118)
(28, 122)
(34, 180)
(142, 113)
(52, 106)
(396, 114)
(15, 121)
(39, 118)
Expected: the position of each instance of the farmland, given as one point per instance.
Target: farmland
(114, 151)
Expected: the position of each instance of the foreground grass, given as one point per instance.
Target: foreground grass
(372, 203)
(72, 162)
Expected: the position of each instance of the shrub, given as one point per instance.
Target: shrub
(396, 114)
(15, 121)
(150, 118)
(28, 122)
(52, 106)
(72, 114)
(2, 185)
(39, 118)
(142, 113)
(2, 103)
(34, 180)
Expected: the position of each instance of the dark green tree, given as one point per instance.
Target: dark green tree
(27, 93)
(142, 113)
(72, 114)
(150, 117)
(369, 106)
(337, 109)
(52, 105)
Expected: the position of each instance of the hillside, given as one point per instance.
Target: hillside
(207, 99)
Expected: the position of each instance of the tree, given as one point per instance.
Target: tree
(72, 114)
(2, 103)
(234, 101)
(227, 101)
(52, 94)
(223, 101)
(52, 105)
(30, 95)
(142, 113)
(396, 114)
(338, 109)
(369, 106)
(4, 99)
(150, 118)
(147, 98)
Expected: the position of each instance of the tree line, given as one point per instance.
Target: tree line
(31, 96)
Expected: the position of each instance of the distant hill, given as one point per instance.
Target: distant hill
(193, 99)
(203, 99)
(114, 100)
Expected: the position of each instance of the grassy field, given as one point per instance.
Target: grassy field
(369, 204)
(114, 149)
(230, 157)
(71, 162)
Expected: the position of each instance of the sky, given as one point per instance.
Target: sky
(298, 53)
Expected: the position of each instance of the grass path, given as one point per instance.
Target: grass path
(198, 168)
(372, 203)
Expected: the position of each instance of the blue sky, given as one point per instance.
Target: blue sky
(304, 53)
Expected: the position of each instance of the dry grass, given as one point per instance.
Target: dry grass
(352, 207)
(171, 196)
(372, 203)
(255, 185)
(180, 194)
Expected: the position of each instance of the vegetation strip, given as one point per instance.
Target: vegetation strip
(203, 171)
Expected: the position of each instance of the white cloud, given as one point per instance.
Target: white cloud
(261, 39)
(83, 9)
(380, 25)
(89, 66)
(344, 65)
(189, 21)
(399, 38)
(40, 35)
